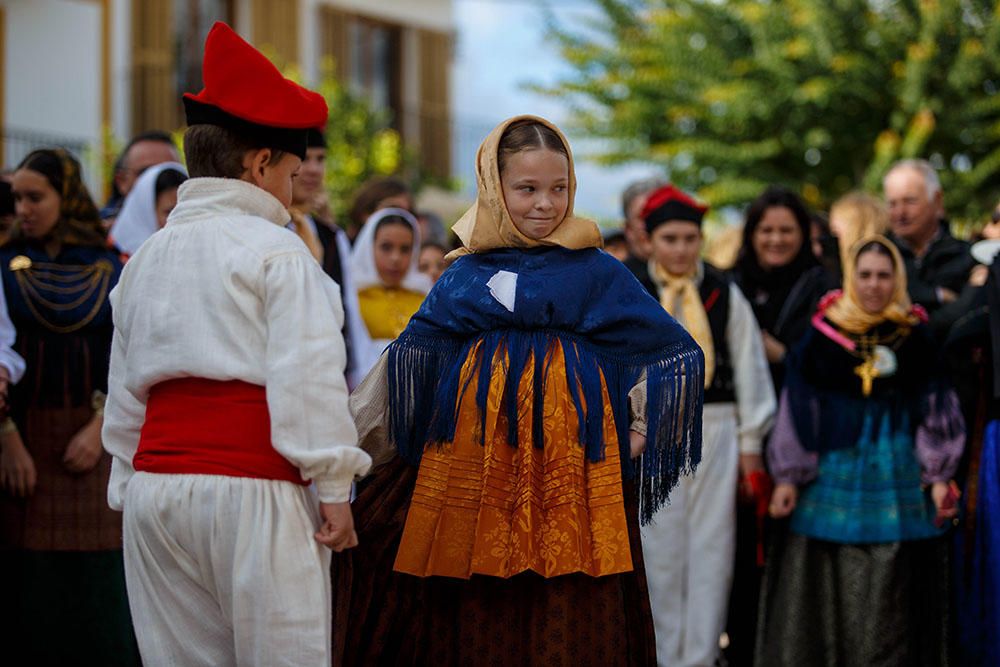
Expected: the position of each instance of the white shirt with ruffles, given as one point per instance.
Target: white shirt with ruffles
(225, 292)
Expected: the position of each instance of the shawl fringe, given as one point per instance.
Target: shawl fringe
(426, 390)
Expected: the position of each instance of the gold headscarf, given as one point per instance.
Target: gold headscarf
(79, 222)
(487, 224)
(847, 312)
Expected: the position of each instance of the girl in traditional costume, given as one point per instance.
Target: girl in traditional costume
(389, 286)
(62, 544)
(865, 424)
(502, 523)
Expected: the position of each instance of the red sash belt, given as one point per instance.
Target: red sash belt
(209, 427)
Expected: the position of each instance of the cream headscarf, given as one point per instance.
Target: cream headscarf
(847, 312)
(487, 224)
(137, 220)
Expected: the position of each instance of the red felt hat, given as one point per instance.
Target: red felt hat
(669, 203)
(246, 93)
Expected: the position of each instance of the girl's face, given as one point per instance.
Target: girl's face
(393, 252)
(676, 246)
(431, 263)
(536, 190)
(36, 203)
(165, 202)
(874, 280)
(777, 239)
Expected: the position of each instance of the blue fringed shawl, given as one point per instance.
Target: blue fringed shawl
(607, 323)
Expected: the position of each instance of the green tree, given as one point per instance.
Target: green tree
(820, 95)
(361, 142)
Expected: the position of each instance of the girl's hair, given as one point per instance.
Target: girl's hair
(526, 135)
(433, 244)
(878, 248)
(392, 220)
(169, 179)
(371, 192)
(48, 164)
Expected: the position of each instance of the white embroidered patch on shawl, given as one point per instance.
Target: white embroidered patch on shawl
(503, 287)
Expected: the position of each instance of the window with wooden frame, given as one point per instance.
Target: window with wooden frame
(168, 38)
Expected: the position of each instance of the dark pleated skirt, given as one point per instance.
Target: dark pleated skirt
(381, 617)
(846, 605)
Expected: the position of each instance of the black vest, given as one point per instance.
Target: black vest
(714, 292)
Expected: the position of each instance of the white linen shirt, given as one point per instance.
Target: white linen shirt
(225, 292)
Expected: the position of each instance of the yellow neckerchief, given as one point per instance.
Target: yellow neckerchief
(679, 296)
(847, 312)
(487, 224)
(304, 230)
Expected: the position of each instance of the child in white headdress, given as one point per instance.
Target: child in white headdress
(147, 206)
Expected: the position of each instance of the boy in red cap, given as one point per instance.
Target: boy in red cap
(690, 544)
(227, 395)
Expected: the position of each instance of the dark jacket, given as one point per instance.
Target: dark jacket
(946, 264)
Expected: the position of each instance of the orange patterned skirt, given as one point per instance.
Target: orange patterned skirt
(498, 510)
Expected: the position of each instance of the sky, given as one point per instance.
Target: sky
(501, 46)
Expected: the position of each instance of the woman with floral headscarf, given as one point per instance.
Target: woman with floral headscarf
(867, 439)
(501, 525)
(62, 545)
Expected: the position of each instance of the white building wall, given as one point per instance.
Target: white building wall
(431, 14)
(52, 78)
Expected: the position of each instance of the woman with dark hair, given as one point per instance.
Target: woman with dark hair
(778, 272)
(782, 279)
(61, 543)
(868, 437)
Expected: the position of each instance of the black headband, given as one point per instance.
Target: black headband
(673, 210)
(292, 140)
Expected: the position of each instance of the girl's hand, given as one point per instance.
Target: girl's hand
(84, 450)
(337, 532)
(783, 500)
(939, 492)
(17, 468)
(774, 350)
(636, 443)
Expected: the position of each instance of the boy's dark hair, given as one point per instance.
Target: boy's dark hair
(217, 152)
(527, 135)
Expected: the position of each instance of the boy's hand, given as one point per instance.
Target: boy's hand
(84, 450)
(337, 531)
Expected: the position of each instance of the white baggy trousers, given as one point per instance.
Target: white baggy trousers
(225, 571)
(689, 549)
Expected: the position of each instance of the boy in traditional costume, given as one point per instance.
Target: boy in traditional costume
(504, 517)
(227, 394)
(690, 545)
